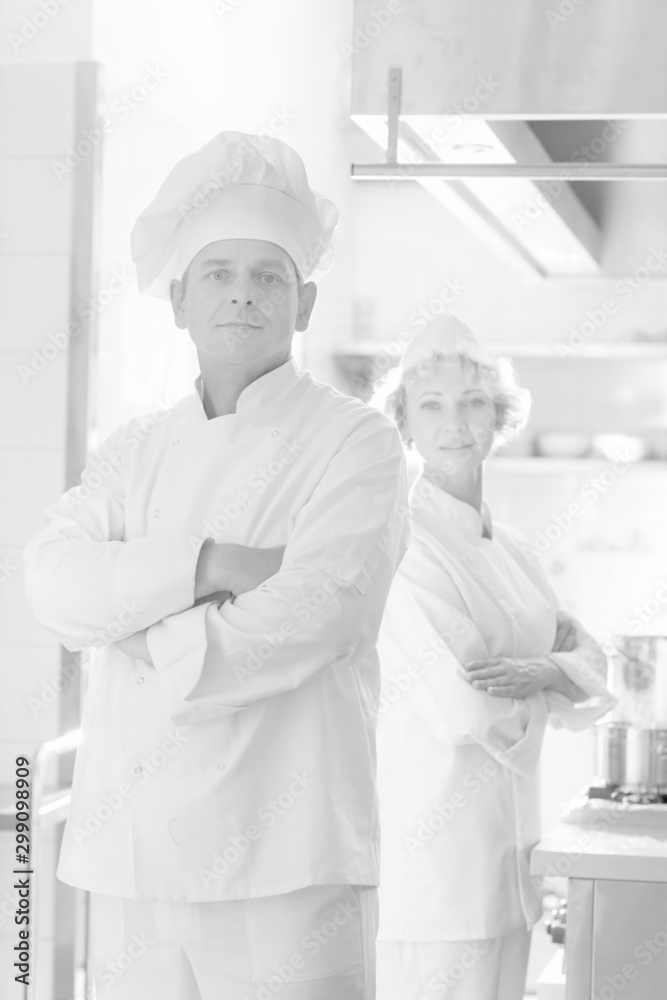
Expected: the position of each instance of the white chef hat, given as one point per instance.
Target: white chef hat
(237, 186)
(446, 335)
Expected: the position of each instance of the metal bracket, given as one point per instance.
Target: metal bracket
(393, 114)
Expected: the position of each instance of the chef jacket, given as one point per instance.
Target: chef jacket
(457, 767)
(243, 765)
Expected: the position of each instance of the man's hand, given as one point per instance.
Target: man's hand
(504, 677)
(136, 646)
(223, 566)
(219, 597)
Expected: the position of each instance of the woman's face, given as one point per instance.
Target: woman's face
(451, 418)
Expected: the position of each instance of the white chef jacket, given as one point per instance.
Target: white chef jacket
(458, 768)
(243, 765)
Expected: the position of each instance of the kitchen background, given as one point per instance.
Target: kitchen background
(98, 99)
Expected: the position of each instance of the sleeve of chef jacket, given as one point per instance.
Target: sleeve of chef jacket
(323, 607)
(581, 660)
(584, 664)
(85, 583)
(431, 638)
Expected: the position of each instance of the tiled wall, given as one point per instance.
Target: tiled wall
(36, 123)
(37, 109)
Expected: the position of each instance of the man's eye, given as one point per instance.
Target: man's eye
(217, 275)
(270, 279)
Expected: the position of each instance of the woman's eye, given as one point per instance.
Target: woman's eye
(478, 401)
(430, 404)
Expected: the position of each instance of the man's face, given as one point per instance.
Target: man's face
(241, 301)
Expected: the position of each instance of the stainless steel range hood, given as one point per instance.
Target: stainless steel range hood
(496, 107)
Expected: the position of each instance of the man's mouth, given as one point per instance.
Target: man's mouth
(240, 326)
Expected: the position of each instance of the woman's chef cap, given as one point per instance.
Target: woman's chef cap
(237, 186)
(446, 335)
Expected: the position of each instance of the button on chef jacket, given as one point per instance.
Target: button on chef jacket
(458, 768)
(243, 765)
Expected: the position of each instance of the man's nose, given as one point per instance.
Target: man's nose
(241, 292)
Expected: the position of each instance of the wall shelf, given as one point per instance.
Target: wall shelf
(611, 351)
(540, 464)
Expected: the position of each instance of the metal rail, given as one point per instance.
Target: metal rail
(49, 808)
(569, 171)
(527, 171)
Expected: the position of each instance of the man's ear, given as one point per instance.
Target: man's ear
(177, 296)
(307, 296)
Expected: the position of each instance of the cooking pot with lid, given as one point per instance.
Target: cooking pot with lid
(631, 744)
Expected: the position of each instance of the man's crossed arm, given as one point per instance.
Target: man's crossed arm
(224, 571)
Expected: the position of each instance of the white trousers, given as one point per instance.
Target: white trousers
(317, 943)
(490, 969)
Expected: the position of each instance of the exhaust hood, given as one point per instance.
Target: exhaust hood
(471, 99)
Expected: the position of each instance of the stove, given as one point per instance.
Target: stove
(633, 796)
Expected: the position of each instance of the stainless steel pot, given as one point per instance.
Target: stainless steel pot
(631, 746)
(631, 757)
(610, 750)
(646, 759)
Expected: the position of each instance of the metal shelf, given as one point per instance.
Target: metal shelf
(613, 351)
(568, 171)
(541, 464)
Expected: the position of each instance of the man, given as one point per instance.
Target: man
(232, 562)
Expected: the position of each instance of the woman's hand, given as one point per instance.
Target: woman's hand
(505, 677)
(567, 633)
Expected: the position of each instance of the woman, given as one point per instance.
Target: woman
(476, 655)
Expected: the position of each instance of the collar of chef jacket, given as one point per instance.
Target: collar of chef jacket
(268, 390)
(450, 512)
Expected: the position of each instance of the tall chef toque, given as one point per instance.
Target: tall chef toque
(237, 186)
(447, 336)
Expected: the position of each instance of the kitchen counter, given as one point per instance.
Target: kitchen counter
(599, 839)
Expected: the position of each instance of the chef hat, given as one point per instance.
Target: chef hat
(446, 335)
(237, 186)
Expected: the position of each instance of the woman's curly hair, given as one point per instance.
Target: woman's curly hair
(495, 375)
